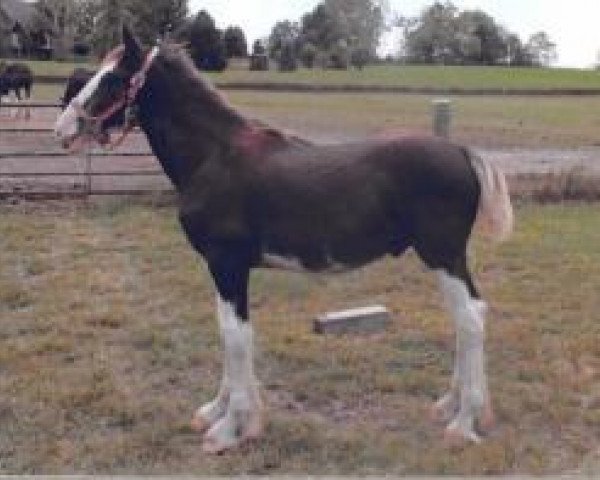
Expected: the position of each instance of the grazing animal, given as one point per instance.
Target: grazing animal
(252, 197)
(75, 83)
(16, 78)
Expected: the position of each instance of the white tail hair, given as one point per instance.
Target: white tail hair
(495, 218)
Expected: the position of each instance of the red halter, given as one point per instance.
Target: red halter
(126, 99)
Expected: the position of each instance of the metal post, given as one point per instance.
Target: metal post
(88, 171)
(442, 117)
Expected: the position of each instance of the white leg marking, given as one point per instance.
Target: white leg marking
(14, 111)
(241, 419)
(209, 413)
(469, 319)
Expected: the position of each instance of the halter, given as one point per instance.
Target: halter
(93, 123)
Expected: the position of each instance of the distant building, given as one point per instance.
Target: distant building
(21, 33)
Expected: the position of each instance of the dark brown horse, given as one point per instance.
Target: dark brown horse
(76, 81)
(16, 78)
(253, 197)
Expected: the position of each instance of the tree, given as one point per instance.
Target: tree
(541, 49)
(355, 24)
(362, 21)
(517, 53)
(430, 37)
(156, 19)
(308, 55)
(287, 58)
(485, 37)
(111, 15)
(61, 17)
(283, 33)
(339, 57)
(359, 58)
(235, 42)
(207, 48)
(443, 34)
(322, 28)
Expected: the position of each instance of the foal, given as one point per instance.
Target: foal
(252, 197)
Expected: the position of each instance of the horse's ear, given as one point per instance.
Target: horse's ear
(133, 49)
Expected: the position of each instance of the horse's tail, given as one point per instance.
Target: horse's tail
(495, 218)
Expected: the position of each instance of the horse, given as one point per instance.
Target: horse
(75, 82)
(253, 197)
(16, 77)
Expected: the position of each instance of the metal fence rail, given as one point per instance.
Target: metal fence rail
(80, 175)
(12, 180)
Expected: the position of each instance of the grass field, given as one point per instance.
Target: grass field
(565, 122)
(389, 75)
(108, 342)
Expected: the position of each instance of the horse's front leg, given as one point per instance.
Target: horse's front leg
(208, 414)
(236, 414)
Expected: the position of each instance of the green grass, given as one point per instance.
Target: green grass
(429, 76)
(493, 121)
(108, 343)
(54, 69)
(404, 76)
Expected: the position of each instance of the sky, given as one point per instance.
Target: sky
(572, 25)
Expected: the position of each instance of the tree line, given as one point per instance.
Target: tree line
(95, 26)
(335, 34)
(442, 34)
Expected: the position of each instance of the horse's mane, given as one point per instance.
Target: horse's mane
(178, 59)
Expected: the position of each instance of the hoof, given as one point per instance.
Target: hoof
(442, 411)
(487, 420)
(455, 437)
(199, 424)
(212, 446)
(215, 446)
(220, 439)
(437, 414)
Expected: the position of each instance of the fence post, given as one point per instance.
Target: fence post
(88, 171)
(442, 117)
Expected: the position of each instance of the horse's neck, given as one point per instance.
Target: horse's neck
(183, 135)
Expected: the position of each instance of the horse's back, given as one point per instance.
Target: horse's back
(350, 203)
(16, 76)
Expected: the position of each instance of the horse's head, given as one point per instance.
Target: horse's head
(101, 103)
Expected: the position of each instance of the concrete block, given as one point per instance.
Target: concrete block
(371, 319)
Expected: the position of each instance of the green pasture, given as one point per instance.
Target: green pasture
(108, 342)
(392, 75)
(494, 121)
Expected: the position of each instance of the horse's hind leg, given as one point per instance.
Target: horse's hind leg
(25, 107)
(14, 97)
(468, 398)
